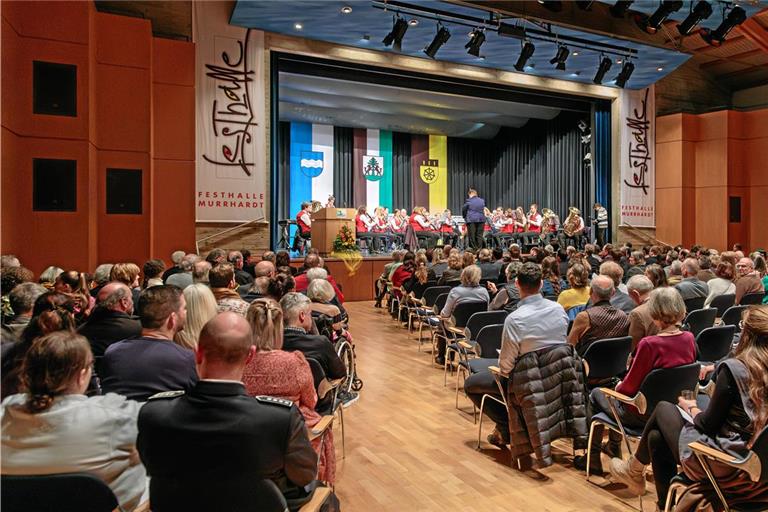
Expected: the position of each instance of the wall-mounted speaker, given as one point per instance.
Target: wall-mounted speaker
(124, 191)
(54, 88)
(54, 185)
(734, 209)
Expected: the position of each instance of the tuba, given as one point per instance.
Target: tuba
(571, 223)
(548, 222)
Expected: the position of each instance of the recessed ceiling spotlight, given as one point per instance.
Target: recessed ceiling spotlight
(575, 54)
(660, 68)
(298, 26)
(346, 9)
(619, 61)
(413, 22)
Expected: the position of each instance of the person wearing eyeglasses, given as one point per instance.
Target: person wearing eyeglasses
(748, 280)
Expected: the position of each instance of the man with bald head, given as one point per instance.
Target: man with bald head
(600, 321)
(215, 442)
(691, 287)
(112, 320)
(748, 280)
(264, 268)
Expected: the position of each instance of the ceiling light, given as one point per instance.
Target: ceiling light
(560, 57)
(619, 61)
(701, 12)
(575, 54)
(395, 37)
(298, 26)
(652, 23)
(413, 22)
(346, 9)
(476, 40)
(624, 74)
(659, 68)
(736, 17)
(602, 69)
(525, 54)
(620, 8)
(441, 37)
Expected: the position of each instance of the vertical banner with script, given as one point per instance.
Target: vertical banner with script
(231, 140)
(638, 153)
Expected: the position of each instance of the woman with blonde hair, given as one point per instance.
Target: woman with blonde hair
(578, 293)
(274, 372)
(128, 274)
(735, 415)
(201, 307)
(452, 274)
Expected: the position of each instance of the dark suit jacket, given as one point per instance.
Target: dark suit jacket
(105, 327)
(205, 449)
(317, 347)
(140, 367)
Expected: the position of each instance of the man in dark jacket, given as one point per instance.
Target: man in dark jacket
(112, 320)
(215, 442)
(473, 212)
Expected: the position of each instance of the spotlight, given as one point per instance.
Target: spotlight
(736, 17)
(654, 21)
(560, 57)
(298, 26)
(440, 39)
(397, 34)
(413, 22)
(620, 8)
(602, 69)
(701, 12)
(525, 54)
(625, 73)
(346, 9)
(476, 40)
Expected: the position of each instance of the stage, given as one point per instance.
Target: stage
(361, 284)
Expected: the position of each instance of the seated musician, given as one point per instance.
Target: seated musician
(447, 230)
(573, 229)
(549, 226)
(304, 224)
(381, 228)
(422, 227)
(507, 227)
(520, 225)
(364, 230)
(490, 229)
(397, 225)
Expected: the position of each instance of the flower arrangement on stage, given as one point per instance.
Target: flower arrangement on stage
(345, 248)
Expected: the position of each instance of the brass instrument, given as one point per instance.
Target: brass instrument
(548, 221)
(571, 224)
(316, 206)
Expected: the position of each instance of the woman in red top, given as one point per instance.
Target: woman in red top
(404, 272)
(669, 348)
(420, 223)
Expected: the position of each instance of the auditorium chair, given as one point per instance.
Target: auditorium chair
(428, 314)
(65, 492)
(732, 316)
(754, 464)
(486, 346)
(752, 299)
(722, 302)
(327, 401)
(699, 319)
(467, 335)
(501, 384)
(714, 343)
(606, 360)
(461, 315)
(694, 303)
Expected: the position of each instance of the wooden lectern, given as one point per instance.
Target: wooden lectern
(326, 224)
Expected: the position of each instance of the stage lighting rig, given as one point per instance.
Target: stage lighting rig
(652, 23)
(476, 40)
(625, 73)
(602, 69)
(620, 8)
(560, 57)
(441, 37)
(700, 12)
(395, 37)
(525, 54)
(736, 17)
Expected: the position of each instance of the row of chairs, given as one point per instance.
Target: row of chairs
(722, 302)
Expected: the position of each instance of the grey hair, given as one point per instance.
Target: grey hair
(9, 260)
(113, 298)
(188, 262)
(50, 274)
(200, 272)
(22, 298)
(638, 256)
(101, 274)
(177, 256)
(320, 290)
(666, 305)
(691, 266)
(603, 292)
(470, 276)
(316, 273)
(640, 283)
(675, 268)
(293, 303)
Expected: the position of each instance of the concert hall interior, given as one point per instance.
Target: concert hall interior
(419, 214)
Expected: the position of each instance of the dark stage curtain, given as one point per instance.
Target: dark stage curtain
(602, 158)
(284, 190)
(342, 166)
(541, 162)
(401, 168)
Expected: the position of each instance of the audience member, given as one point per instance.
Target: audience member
(578, 292)
(201, 307)
(658, 276)
(271, 257)
(9, 261)
(312, 261)
(54, 428)
(439, 261)
(200, 272)
(674, 273)
(222, 281)
(620, 299)
(285, 283)
(452, 274)
(236, 440)
(592, 260)
(691, 287)
(381, 282)
(216, 257)
(320, 293)
(283, 263)
(469, 291)
(705, 268)
(151, 363)
(552, 283)
(600, 321)
(275, 372)
(128, 274)
(112, 320)
(537, 323)
(184, 278)
(242, 277)
(636, 265)
(489, 268)
(423, 277)
(265, 268)
(641, 323)
(100, 278)
(176, 258)
(75, 284)
(248, 263)
(21, 299)
(506, 295)
(722, 284)
(402, 273)
(735, 414)
(49, 275)
(153, 271)
(748, 280)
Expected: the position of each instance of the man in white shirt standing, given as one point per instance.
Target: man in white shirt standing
(537, 323)
(602, 223)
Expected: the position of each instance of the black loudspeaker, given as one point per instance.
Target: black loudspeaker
(734, 209)
(124, 191)
(54, 89)
(54, 185)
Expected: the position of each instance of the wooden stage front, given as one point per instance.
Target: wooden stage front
(359, 286)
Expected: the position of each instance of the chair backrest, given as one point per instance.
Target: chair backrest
(699, 319)
(440, 301)
(242, 492)
(722, 302)
(68, 492)
(463, 312)
(489, 340)
(483, 318)
(752, 298)
(666, 384)
(419, 289)
(760, 449)
(431, 294)
(694, 303)
(714, 343)
(608, 358)
(318, 374)
(732, 315)
(575, 310)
